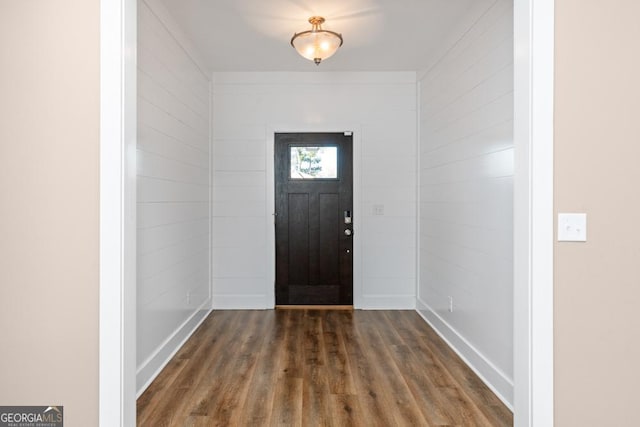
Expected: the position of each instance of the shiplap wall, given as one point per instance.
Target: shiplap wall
(173, 235)
(466, 196)
(248, 107)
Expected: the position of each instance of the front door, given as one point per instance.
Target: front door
(313, 218)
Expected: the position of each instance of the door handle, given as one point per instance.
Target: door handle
(347, 232)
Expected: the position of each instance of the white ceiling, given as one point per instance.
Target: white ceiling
(379, 35)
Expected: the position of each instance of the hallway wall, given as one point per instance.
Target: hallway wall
(466, 197)
(173, 192)
(49, 206)
(248, 108)
(597, 150)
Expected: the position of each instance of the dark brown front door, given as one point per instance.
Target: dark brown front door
(314, 211)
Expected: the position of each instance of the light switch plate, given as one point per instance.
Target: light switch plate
(378, 210)
(572, 227)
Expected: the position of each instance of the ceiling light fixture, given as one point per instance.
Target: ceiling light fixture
(316, 44)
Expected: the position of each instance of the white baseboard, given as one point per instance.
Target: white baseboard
(493, 377)
(149, 369)
(388, 302)
(260, 302)
(240, 302)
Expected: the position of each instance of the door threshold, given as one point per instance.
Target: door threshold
(314, 307)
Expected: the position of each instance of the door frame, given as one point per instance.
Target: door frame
(270, 301)
(533, 220)
(282, 158)
(118, 133)
(533, 212)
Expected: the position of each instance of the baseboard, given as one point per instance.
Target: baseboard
(150, 368)
(240, 302)
(493, 377)
(315, 307)
(260, 302)
(388, 302)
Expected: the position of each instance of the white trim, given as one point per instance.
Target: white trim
(150, 368)
(388, 302)
(418, 269)
(357, 203)
(533, 215)
(117, 388)
(242, 302)
(270, 209)
(490, 374)
(211, 183)
(333, 78)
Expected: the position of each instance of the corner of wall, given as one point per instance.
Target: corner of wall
(150, 368)
(490, 374)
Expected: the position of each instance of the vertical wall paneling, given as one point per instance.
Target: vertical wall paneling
(249, 107)
(466, 197)
(173, 190)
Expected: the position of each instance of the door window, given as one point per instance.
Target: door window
(313, 162)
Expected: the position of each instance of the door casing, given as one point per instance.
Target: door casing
(342, 189)
(357, 203)
(534, 33)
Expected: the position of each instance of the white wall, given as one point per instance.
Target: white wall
(380, 108)
(466, 197)
(50, 206)
(173, 156)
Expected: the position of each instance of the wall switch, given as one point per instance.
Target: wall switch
(572, 227)
(450, 304)
(378, 210)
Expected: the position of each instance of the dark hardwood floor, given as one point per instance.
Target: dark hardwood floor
(318, 368)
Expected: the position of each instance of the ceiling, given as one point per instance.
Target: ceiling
(379, 35)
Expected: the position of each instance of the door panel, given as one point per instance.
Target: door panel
(314, 198)
(299, 246)
(329, 245)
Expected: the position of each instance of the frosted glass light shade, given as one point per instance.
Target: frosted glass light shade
(316, 44)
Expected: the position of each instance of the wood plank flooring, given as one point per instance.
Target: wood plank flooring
(318, 368)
